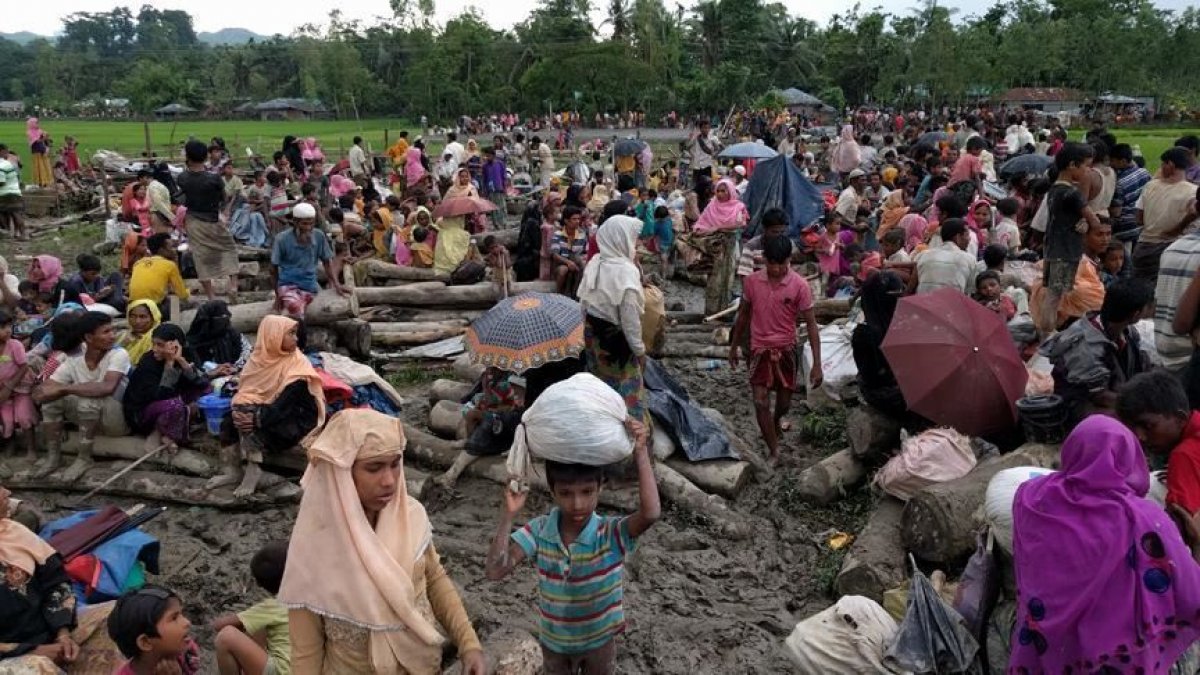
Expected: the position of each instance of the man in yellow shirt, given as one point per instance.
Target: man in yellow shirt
(151, 277)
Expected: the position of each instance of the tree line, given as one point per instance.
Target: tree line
(643, 56)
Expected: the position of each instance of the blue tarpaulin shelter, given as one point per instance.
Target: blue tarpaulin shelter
(777, 183)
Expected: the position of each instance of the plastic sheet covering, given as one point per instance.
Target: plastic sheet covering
(932, 638)
(692, 431)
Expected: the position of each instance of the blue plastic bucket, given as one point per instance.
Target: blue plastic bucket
(214, 408)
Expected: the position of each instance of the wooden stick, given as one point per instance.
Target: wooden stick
(133, 465)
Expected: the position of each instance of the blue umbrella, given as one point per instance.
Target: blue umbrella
(1031, 165)
(527, 331)
(748, 151)
(932, 138)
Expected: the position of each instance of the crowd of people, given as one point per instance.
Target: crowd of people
(1070, 252)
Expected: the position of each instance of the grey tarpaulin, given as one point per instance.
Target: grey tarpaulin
(699, 437)
(933, 638)
(777, 183)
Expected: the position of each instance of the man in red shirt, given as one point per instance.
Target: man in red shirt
(772, 301)
(1155, 406)
(966, 178)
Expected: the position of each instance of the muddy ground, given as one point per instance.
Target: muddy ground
(696, 602)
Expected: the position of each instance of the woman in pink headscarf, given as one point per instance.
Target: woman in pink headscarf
(414, 171)
(846, 155)
(724, 212)
(45, 270)
(1105, 583)
(915, 228)
(718, 228)
(39, 146)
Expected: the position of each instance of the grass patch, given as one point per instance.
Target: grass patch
(1152, 141)
(415, 376)
(825, 428)
(65, 244)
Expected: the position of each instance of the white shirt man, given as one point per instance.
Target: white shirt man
(360, 167)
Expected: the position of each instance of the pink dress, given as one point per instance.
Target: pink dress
(18, 412)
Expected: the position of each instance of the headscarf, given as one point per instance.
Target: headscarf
(893, 210)
(472, 147)
(269, 369)
(914, 226)
(612, 272)
(600, 197)
(979, 227)
(21, 548)
(1102, 574)
(722, 215)
(414, 171)
(880, 293)
(934, 214)
(889, 175)
(49, 269)
(346, 570)
(456, 190)
(846, 155)
(294, 157)
(143, 386)
(7, 278)
(138, 346)
(33, 130)
(212, 337)
(574, 193)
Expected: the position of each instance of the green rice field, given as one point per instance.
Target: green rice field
(1152, 141)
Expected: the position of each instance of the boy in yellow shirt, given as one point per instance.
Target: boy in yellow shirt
(151, 277)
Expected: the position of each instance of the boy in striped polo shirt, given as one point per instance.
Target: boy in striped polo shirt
(580, 560)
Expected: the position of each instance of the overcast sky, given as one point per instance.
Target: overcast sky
(267, 18)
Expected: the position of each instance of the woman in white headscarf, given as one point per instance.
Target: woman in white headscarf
(613, 301)
(365, 588)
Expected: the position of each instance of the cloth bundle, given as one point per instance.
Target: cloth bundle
(578, 421)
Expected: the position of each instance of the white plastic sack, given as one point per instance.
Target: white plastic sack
(661, 444)
(1145, 329)
(579, 421)
(848, 637)
(998, 501)
(115, 231)
(934, 456)
(837, 361)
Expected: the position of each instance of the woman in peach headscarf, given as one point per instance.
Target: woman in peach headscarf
(365, 586)
(279, 401)
(894, 208)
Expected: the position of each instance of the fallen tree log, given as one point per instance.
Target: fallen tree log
(724, 477)
(320, 338)
(164, 487)
(875, 561)
(446, 420)
(683, 492)
(938, 524)
(685, 350)
(380, 269)
(873, 436)
(448, 390)
(413, 339)
(416, 326)
(829, 309)
(467, 371)
(355, 336)
(133, 447)
(327, 308)
(426, 294)
(467, 315)
(440, 454)
(828, 479)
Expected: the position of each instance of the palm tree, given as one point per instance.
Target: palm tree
(620, 17)
(709, 30)
(788, 49)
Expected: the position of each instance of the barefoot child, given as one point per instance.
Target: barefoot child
(772, 301)
(18, 415)
(579, 556)
(256, 640)
(150, 629)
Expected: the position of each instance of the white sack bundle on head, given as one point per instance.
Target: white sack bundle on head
(578, 421)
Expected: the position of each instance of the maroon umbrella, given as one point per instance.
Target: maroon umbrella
(955, 362)
(462, 206)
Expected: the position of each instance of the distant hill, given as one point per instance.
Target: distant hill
(24, 37)
(230, 36)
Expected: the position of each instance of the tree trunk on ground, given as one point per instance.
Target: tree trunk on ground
(685, 350)
(467, 371)
(875, 562)
(134, 447)
(873, 436)
(446, 420)
(682, 492)
(448, 390)
(379, 269)
(828, 479)
(414, 339)
(426, 294)
(164, 487)
(355, 336)
(724, 477)
(327, 308)
(939, 524)
(321, 338)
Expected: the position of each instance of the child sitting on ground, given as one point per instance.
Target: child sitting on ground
(1006, 233)
(1112, 264)
(422, 253)
(773, 299)
(580, 560)
(18, 415)
(989, 294)
(1155, 407)
(149, 628)
(256, 640)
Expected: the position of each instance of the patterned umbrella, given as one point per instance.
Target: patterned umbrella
(462, 206)
(527, 331)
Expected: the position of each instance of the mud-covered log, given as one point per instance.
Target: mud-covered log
(133, 447)
(428, 294)
(448, 390)
(380, 269)
(355, 336)
(320, 338)
(163, 487)
(678, 350)
(938, 524)
(724, 477)
(412, 339)
(466, 371)
(327, 308)
(677, 489)
(875, 561)
(830, 478)
(873, 436)
(446, 419)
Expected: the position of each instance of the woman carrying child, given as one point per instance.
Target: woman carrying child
(365, 586)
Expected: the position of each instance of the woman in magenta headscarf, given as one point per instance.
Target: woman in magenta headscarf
(414, 171)
(719, 225)
(1105, 583)
(45, 270)
(724, 212)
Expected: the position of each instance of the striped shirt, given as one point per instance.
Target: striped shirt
(1176, 268)
(581, 587)
(1130, 182)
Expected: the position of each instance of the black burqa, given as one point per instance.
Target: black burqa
(292, 151)
(211, 337)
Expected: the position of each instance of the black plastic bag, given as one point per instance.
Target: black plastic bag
(978, 590)
(690, 429)
(933, 638)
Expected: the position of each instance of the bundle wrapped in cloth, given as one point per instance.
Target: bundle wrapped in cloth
(577, 421)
